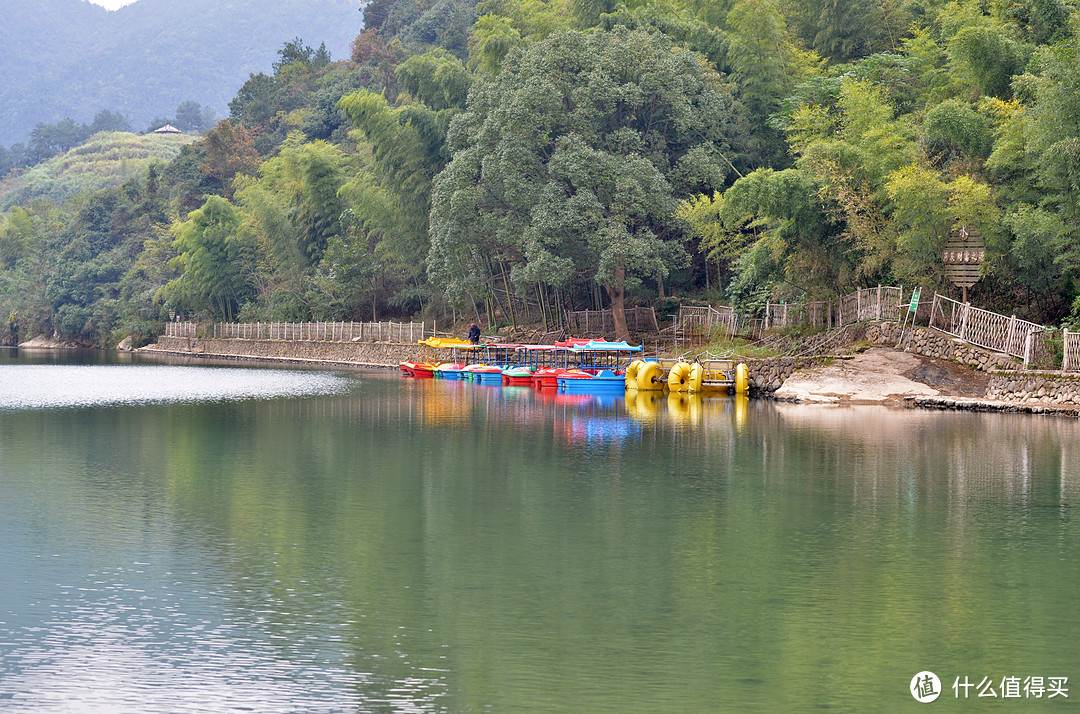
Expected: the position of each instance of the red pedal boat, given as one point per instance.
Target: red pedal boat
(417, 369)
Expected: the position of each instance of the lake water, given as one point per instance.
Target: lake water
(189, 538)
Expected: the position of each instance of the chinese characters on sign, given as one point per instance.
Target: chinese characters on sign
(964, 252)
(963, 257)
(1013, 687)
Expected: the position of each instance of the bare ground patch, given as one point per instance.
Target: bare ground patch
(882, 376)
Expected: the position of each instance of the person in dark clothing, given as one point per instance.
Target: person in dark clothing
(474, 334)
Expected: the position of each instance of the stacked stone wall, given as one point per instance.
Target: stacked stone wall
(1008, 381)
(767, 375)
(1042, 388)
(368, 354)
(930, 343)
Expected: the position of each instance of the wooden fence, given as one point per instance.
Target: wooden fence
(880, 303)
(402, 332)
(698, 324)
(588, 323)
(1070, 358)
(1016, 338)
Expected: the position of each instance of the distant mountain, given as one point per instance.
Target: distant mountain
(69, 58)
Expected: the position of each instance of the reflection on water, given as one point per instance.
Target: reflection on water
(43, 386)
(440, 546)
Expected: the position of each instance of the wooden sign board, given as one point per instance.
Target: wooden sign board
(964, 253)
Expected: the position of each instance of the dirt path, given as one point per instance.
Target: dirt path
(882, 376)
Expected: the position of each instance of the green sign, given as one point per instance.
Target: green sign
(915, 300)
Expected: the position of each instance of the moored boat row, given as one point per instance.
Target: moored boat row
(575, 365)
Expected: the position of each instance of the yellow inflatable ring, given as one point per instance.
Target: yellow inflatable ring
(645, 376)
(697, 377)
(742, 379)
(678, 379)
(631, 374)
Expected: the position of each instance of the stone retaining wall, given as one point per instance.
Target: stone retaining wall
(1008, 381)
(368, 354)
(930, 343)
(767, 375)
(1041, 387)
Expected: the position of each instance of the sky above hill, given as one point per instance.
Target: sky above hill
(69, 59)
(112, 4)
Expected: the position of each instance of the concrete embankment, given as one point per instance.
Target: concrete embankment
(357, 354)
(936, 371)
(876, 376)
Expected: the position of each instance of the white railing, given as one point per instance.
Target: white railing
(402, 332)
(1015, 337)
(1070, 358)
(180, 329)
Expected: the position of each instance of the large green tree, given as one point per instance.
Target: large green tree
(405, 149)
(568, 165)
(1036, 167)
(215, 261)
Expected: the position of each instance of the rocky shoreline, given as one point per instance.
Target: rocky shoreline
(979, 405)
(41, 342)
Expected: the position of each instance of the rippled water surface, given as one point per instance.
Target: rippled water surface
(190, 538)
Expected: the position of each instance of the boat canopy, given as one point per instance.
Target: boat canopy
(449, 342)
(600, 345)
(540, 348)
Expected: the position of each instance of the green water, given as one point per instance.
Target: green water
(355, 541)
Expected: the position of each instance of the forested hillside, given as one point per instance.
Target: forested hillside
(106, 159)
(512, 159)
(69, 58)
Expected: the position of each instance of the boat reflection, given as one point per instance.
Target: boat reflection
(574, 417)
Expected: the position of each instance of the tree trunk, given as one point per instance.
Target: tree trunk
(616, 293)
(509, 297)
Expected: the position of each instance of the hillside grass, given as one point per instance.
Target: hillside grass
(105, 160)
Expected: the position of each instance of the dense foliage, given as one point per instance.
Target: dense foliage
(511, 159)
